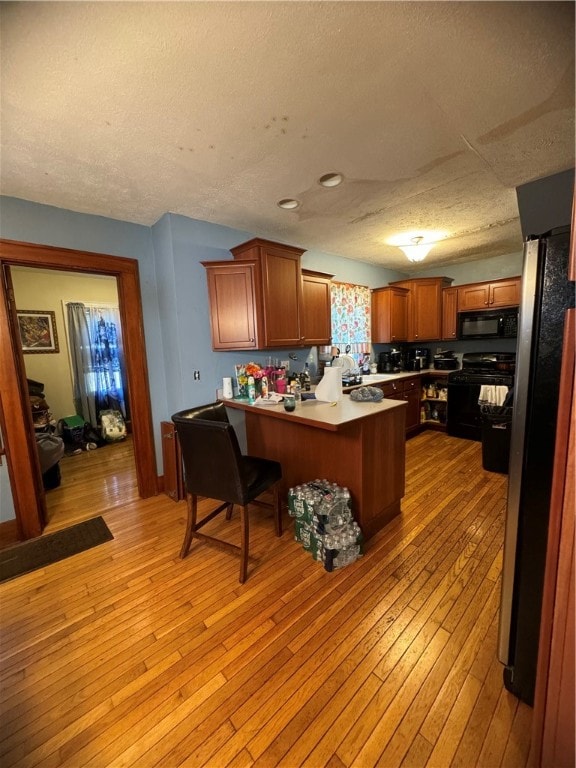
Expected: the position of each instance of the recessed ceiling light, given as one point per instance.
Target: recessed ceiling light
(330, 179)
(289, 204)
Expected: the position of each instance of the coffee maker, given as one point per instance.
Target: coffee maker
(417, 359)
(384, 363)
(391, 361)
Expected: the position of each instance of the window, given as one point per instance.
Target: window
(351, 317)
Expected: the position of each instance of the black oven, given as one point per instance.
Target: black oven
(464, 416)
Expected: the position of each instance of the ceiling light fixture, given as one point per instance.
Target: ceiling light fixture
(288, 204)
(331, 180)
(417, 250)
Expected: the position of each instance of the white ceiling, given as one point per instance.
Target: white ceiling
(433, 112)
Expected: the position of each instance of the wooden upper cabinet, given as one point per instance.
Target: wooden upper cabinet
(256, 299)
(316, 307)
(389, 314)
(424, 307)
(281, 289)
(449, 313)
(235, 316)
(497, 293)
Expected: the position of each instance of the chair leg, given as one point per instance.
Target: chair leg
(192, 503)
(277, 510)
(244, 543)
(229, 511)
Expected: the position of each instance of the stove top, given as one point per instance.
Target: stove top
(489, 362)
(472, 376)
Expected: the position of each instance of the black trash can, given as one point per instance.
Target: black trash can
(496, 431)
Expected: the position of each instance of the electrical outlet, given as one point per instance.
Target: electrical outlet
(196, 375)
(285, 364)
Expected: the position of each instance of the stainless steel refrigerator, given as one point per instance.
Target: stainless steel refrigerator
(546, 295)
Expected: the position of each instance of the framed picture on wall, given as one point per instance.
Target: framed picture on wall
(38, 332)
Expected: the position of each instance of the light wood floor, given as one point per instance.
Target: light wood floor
(126, 656)
(93, 482)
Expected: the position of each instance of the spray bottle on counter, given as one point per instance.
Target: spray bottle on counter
(251, 389)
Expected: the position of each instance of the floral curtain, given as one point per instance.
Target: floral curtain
(350, 315)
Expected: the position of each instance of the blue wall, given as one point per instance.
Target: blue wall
(174, 293)
(46, 225)
(493, 268)
(181, 244)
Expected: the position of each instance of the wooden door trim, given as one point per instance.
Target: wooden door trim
(15, 418)
(555, 658)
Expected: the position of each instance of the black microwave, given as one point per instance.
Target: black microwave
(488, 324)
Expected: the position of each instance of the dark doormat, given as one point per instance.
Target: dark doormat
(45, 550)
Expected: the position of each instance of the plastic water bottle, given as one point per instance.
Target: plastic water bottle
(297, 393)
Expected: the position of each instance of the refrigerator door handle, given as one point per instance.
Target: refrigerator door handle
(515, 471)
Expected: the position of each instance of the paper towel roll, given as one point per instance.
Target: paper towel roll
(329, 389)
(227, 390)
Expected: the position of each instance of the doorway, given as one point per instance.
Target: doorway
(91, 480)
(16, 419)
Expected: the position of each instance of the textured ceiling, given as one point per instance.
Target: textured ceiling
(433, 112)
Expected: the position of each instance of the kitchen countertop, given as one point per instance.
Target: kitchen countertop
(369, 380)
(316, 413)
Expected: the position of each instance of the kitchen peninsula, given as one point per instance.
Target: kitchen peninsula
(360, 445)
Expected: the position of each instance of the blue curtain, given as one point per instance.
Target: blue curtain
(107, 358)
(97, 361)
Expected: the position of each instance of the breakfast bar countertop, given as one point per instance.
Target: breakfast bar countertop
(322, 415)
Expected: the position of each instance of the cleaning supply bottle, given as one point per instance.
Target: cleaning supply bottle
(307, 381)
(251, 389)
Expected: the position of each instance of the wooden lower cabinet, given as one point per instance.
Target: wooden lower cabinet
(408, 390)
(412, 397)
(172, 460)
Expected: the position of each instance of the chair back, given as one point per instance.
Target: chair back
(211, 454)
